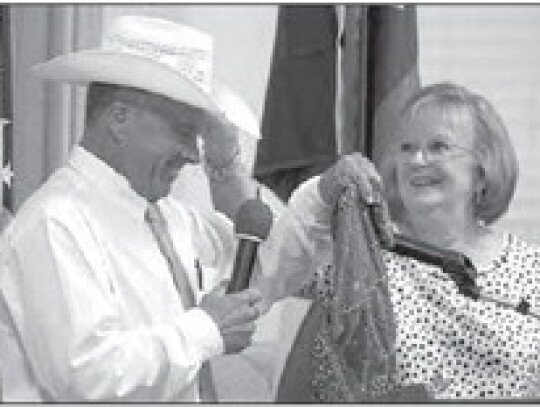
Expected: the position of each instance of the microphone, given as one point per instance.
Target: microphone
(458, 266)
(252, 225)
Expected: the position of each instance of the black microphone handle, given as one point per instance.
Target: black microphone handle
(243, 265)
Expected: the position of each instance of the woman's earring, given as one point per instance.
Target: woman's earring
(479, 196)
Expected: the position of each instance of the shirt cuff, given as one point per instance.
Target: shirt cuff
(201, 331)
(307, 203)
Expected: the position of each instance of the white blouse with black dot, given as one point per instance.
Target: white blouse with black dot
(462, 348)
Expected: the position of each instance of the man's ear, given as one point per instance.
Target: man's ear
(118, 116)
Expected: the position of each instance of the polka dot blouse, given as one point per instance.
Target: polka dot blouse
(461, 348)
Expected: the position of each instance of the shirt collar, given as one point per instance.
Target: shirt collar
(105, 177)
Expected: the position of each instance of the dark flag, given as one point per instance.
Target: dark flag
(392, 71)
(298, 126)
(393, 68)
(379, 73)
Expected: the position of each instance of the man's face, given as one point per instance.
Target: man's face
(158, 144)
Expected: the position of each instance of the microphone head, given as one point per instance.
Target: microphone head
(253, 220)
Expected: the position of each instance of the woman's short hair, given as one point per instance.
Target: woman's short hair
(493, 148)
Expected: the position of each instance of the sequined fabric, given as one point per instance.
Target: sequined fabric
(354, 354)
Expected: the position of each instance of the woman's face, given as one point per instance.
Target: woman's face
(435, 161)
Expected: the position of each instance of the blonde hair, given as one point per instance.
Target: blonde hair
(496, 158)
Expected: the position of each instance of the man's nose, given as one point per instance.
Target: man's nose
(190, 152)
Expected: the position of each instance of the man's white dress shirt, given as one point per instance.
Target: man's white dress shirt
(96, 313)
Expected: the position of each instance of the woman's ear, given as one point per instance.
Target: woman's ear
(118, 116)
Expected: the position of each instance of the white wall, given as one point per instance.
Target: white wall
(494, 50)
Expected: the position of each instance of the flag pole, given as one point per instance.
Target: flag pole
(352, 79)
(369, 66)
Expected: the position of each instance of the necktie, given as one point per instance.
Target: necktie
(158, 226)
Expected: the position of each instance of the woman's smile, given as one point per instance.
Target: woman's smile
(424, 180)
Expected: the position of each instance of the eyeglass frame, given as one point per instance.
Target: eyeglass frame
(454, 151)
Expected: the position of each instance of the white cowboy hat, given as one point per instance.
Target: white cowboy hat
(236, 111)
(158, 56)
(146, 53)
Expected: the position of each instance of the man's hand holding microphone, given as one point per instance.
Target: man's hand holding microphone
(234, 314)
(235, 311)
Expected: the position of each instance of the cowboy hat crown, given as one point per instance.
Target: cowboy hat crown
(146, 53)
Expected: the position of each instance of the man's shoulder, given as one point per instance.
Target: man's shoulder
(56, 199)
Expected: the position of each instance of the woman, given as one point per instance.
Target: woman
(450, 175)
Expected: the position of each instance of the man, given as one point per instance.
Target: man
(109, 286)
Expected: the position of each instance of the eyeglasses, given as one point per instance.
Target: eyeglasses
(433, 151)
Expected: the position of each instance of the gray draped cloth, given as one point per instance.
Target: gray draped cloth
(345, 350)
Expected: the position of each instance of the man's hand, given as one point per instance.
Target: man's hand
(220, 143)
(234, 314)
(357, 171)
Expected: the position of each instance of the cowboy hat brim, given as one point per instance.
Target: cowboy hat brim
(236, 111)
(123, 69)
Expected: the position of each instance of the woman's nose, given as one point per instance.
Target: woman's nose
(420, 156)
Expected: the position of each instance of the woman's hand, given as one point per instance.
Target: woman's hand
(351, 169)
(356, 170)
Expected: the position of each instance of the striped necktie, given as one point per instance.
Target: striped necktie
(158, 226)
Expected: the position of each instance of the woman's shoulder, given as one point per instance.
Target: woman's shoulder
(395, 261)
(518, 257)
(510, 248)
(515, 243)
